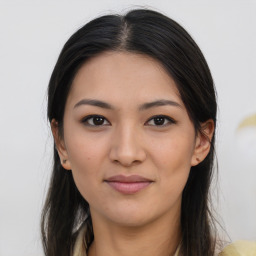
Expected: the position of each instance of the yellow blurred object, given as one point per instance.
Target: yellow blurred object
(240, 248)
(248, 121)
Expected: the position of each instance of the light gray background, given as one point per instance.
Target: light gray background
(32, 34)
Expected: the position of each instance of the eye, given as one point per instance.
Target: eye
(160, 121)
(95, 120)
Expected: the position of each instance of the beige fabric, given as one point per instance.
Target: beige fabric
(80, 247)
(240, 248)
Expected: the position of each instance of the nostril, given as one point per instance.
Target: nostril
(127, 162)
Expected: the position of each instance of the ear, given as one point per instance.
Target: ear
(60, 145)
(203, 142)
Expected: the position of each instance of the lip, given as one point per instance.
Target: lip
(128, 184)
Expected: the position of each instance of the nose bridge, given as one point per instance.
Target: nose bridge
(127, 145)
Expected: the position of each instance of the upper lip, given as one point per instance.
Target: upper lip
(127, 179)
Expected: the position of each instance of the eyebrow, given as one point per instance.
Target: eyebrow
(158, 103)
(144, 106)
(92, 102)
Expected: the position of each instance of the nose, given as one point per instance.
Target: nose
(127, 147)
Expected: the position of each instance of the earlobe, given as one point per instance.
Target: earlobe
(60, 145)
(203, 142)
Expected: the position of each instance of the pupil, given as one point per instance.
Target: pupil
(159, 120)
(98, 120)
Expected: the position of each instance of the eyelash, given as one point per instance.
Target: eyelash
(169, 119)
(85, 120)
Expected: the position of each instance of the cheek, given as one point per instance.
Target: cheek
(82, 156)
(174, 172)
(84, 149)
(173, 161)
(175, 153)
(86, 156)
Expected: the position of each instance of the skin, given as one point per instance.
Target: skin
(128, 141)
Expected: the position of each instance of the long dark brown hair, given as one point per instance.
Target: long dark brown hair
(151, 33)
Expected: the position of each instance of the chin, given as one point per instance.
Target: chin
(132, 217)
(134, 222)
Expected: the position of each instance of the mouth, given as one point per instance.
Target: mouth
(128, 184)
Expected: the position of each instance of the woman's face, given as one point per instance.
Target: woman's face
(128, 139)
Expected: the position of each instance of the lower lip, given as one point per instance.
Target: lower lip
(128, 187)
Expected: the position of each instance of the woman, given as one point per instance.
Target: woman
(132, 107)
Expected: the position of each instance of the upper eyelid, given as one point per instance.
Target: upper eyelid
(152, 117)
(164, 116)
(92, 116)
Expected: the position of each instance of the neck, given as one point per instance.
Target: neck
(159, 238)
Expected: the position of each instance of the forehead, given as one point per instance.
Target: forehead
(123, 76)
